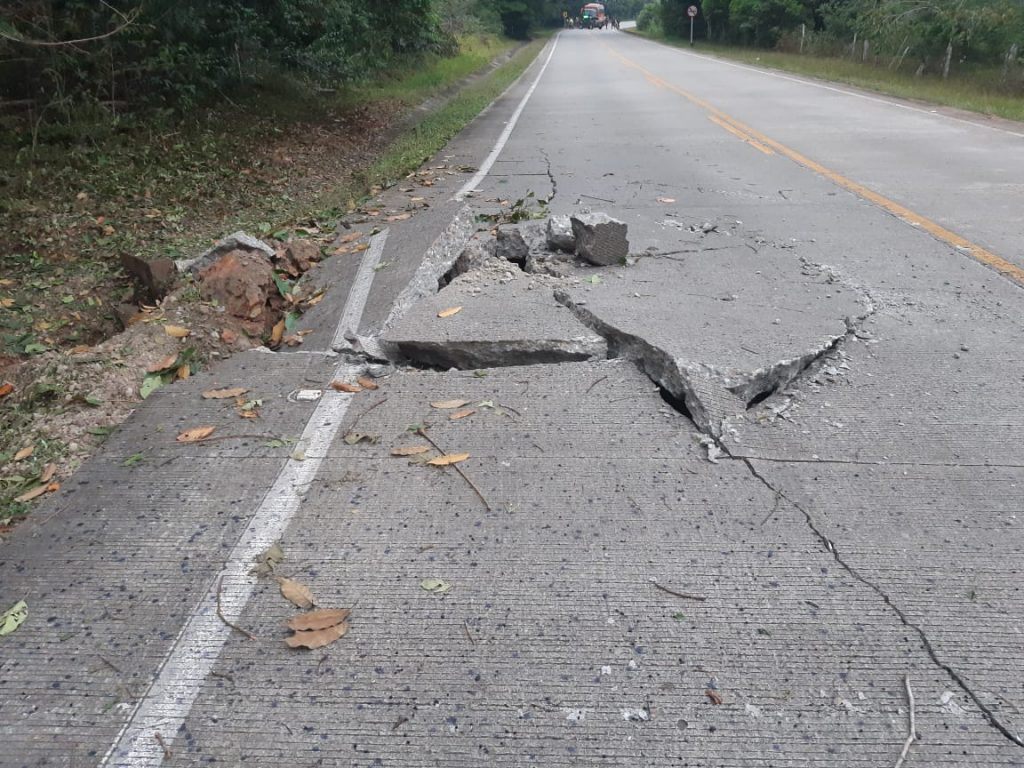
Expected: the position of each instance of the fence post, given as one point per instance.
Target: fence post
(949, 58)
(1011, 58)
(867, 46)
(853, 48)
(803, 34)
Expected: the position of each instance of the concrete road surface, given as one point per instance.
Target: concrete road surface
(752, 497)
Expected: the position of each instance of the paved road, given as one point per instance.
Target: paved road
(750, 499)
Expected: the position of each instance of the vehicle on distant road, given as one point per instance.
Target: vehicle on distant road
(592, 16)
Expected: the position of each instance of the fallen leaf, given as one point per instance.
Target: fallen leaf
(13, 617)
(195, 434)
(461, 414)
(224, 394)
(35, 493)
(358, 437)
(5, 389)
(351, 237)
(435, 586)
(163, 365)
(314, 300)
(7, 303)
(400, 217)
(267, 560)
(184, 372)
(448, 458)
(445, 405)
(296, 593)
(666, 199)
(713, 695)
(344, 386)
(48, 472)
(317, 638)
(367, 383)
(410, 450)
(361, 247)
(321, 619)
(24, 453)
(176, 331)
(277, 333)
(449, 312)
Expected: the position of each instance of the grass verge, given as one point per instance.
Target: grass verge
(974, 92)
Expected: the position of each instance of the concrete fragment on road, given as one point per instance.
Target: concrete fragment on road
(506, 319)
(238, 241)
(559, 234)
(600, 239)
(241, 281)
(510, 246)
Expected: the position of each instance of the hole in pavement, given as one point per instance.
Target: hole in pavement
(677, 403)
(760, 397)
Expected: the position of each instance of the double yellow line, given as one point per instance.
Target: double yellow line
(770, 146)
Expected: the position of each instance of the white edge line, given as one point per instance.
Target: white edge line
(180, 677)
(892, 101)
(485, 167)
(359, 292)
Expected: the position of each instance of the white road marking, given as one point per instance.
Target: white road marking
(360, 292)
(891, 101)
(485, 167)
(197, 647)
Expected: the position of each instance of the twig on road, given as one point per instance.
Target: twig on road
(163, 745)
(912, 734)
(360, 416)
(220, 613)
(422, 433)
(595, 384)
(684, 595)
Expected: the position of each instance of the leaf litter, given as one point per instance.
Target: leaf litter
(195, 434)
(448, 459)
(318, 628)
(295, 592)
(13, 617)
(267, 560)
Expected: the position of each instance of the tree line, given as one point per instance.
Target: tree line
(931, 35)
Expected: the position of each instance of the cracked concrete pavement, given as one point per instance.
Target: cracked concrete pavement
(722, 503)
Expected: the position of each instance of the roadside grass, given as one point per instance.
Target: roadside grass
(978, 91)
(270, 164)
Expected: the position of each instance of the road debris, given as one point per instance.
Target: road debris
(600, 239)
(13, 617)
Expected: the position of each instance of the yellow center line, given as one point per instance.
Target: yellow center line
(936, 230)
(740, 134)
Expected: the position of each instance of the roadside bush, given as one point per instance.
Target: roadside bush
(649, 19)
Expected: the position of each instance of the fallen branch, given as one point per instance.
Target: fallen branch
(684, 595)
(360, 416)
(220, 613)
(595, 384)
(912, 734)
(456, 467)
(163, 745)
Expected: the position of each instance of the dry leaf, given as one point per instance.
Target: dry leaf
(321, 619)
(449, 312)
(445, 405)
(350, 237)
(361, 247)
(184, 372)
(162, 365)
(296, 593)
(410, 450)
(24, 453)
(195, 434)
(6, 388)
(317, 638)
(462, 414)
(714, 695)
(224, 394)
(277, 333)
(314, 300)
(400, 217)
(176, 332)
(35, 493)
(344, 386)
(448, 458)
(293, 341)
(48, 472)
(367, 383)
(352, 438)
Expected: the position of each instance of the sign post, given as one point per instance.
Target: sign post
(692, 13)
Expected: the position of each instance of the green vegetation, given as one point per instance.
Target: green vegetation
(961, 53)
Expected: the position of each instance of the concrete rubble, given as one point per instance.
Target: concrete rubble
(600, 239)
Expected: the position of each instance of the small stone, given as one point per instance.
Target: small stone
(559, 234)
(510, 246)
(600, 239)
(964, 348)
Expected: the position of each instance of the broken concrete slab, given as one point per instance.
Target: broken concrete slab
(600, 239)
(238, 241)
(240, 280)
(559, 234)
(761, 323)
(297, 257)
(506, 318)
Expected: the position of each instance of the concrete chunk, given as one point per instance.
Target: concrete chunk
(559, 234)
(600, 239)
(511, 246)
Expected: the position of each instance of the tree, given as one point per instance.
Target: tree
(762, 22)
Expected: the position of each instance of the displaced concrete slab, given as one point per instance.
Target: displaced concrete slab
(718, 329)
(506, 318)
